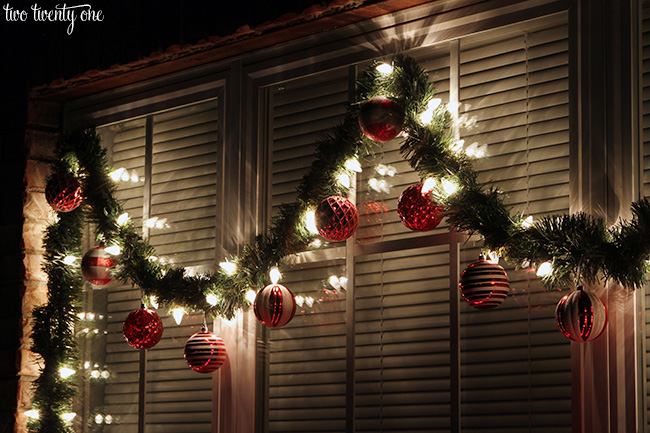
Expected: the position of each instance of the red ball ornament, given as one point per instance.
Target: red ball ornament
(381, 119)
(142, 328)
(205, 352)
(484, 285)
(96, 266)
(63, 192)
(581, 316)
(337, 218)
(417, 211)
(274, 306)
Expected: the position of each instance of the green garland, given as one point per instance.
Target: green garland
(579, 246)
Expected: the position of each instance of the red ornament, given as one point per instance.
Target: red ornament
(581, 316)
(484, 285)
(96, 266)
(142, 328)
(63, 192)
(381, 119)
(337, 218)
(274, 306)
(417, 211)
(205, 352)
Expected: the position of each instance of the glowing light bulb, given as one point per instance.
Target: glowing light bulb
(250, 296)
(344, 282)
(178, 313)
(300, 300)
(105, 374)
(428, 185)
(316, 243)
(275, 275)
(384, 68)
(309, 301)
(153, 301)
(123, 219)
(544, 269)
(116, 175)
(69, 260)
(95, 374)
(211, 299)
(82, 315)
(334, 282)
(113, 250)
(99, 418)
(344, 180)
(527, 223)
(33, 414)
(426, 117)
(493, 257)
(86, 364)
(108, 419)
(457, 147)
(66, 372)
(448, 186)
(230, 268)
(67, 417)
(310, 222)
(90, 316)
(353, 164)
(134, 177)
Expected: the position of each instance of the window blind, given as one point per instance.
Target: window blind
(645, 110)
(183, 204)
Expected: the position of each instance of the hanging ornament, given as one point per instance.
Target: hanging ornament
(205, 352)
(274, 305)
(417, 211)
(484, 284)
(581, 316)
(337, 218)
(63, 192)
(96, 266)
(381, 119)
(142, 328)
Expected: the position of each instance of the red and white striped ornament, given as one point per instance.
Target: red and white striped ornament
(274, 306)
(205, 352)
(96, 266)
(484, 284)
(581, 316)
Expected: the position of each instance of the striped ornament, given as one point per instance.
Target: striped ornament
(484, 285)
(205, 352)
(96, 264)
(581, 316)
(274, 306)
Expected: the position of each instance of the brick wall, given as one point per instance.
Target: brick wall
(39, 139)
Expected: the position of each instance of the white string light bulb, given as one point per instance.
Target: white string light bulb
(449, 186)
(544, 269)
(178, 313)
(384, 68)
(275, 275)
(32, 413)
(428, 186)
(310, 222)
(66, 372)
(68, 417)
(250, 296)
(114, 250)
(527, 223)
(69, 260)
(344, 180)
(334, 282)
(123, 219)
(230, 268)
(211, 299)
(353, 164)
(153, 301)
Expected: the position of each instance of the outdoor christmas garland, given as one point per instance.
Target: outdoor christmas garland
(580, 247)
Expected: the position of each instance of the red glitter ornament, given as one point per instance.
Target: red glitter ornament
(381, 119)
(484, 285)
(142, 328)
(96, 266)
(581, 316)
(205, 352)
(274, 306)
(337, 218)
(63, 192)
(417, 211)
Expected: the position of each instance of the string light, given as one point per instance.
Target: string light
(99, 418)
(426, 117)
(114, 250)
(379, 185)
(309, 301)
(493, 257)
(300, 300)
(428, 186)
(105, 374)
(475, 150)
(108, 419)
(178, 313)
(353, 164)
(69, 260)
(275, 275)
(156, 223)
(95, 374)
(316, 243)
(67, 417)
(32, 413)
(344, 282)
(544, 269)
(230, 268)
(310, 222)
(384, 68)
(527, 223)
(123, 219)
(344, 180)
(153, 301)
(90, 316)
(457, 147)
(449, 186)
(211, 299)
(250, 296)
(66, 372)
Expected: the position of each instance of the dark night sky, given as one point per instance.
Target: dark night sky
(38, 52)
